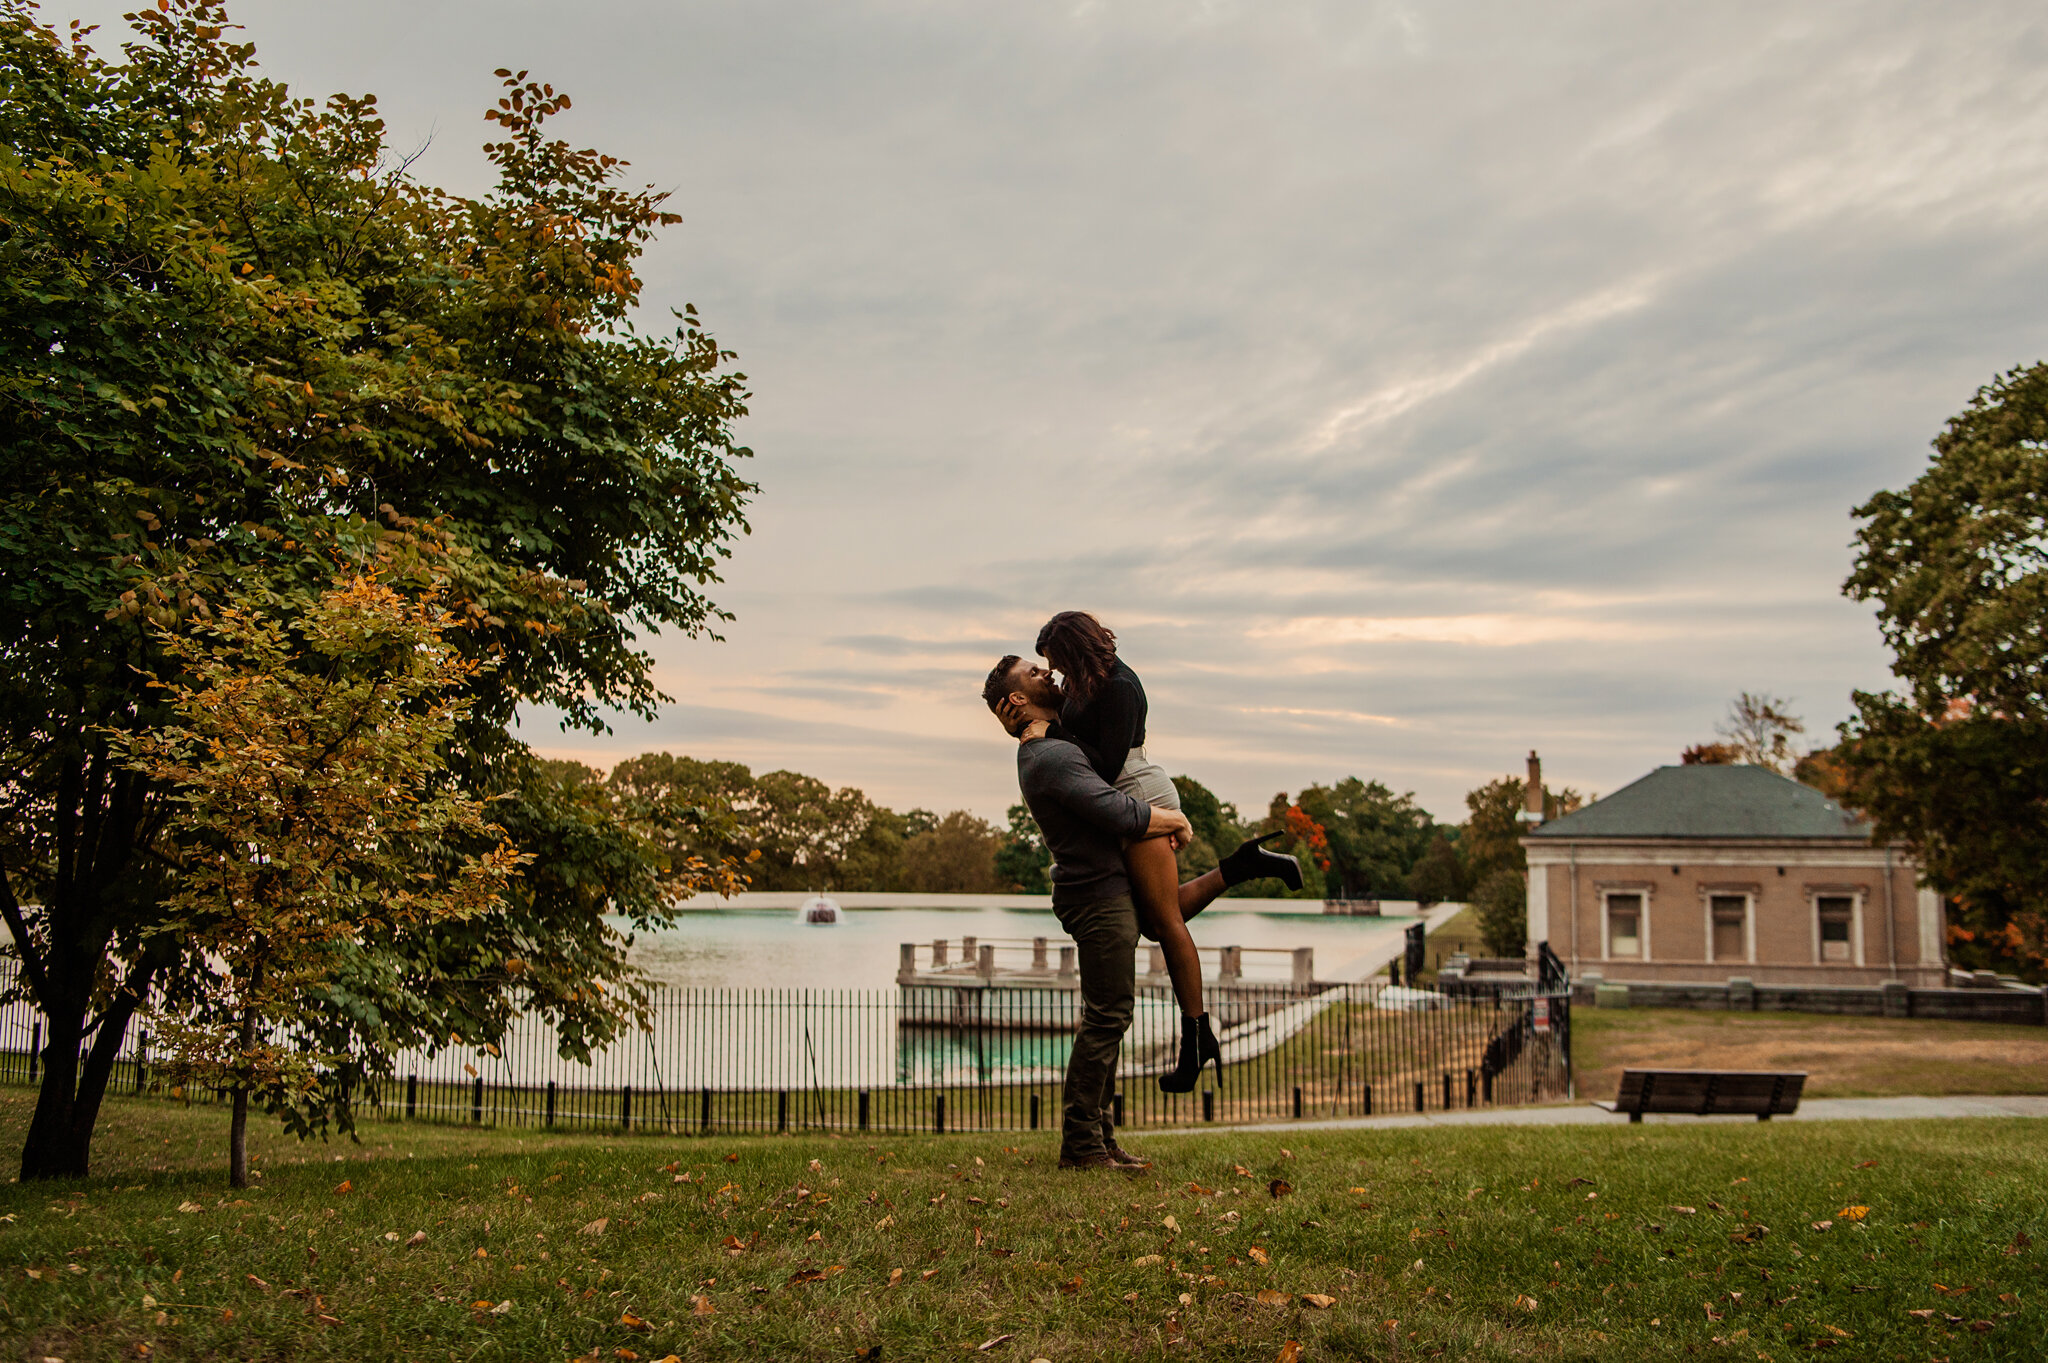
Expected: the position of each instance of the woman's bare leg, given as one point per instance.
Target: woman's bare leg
(1155, 886)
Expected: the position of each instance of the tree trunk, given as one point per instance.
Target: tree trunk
(238, 1141)
(52, 1149)
(238, 1125)
(59, 1143)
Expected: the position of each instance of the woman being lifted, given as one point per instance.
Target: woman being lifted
(1103, 711)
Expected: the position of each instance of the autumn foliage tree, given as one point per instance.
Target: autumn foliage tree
(1955, 760)
(239, 344)
(302, 753)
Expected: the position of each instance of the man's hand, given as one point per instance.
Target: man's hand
(1171, 825)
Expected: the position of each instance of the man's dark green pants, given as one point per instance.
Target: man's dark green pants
(1106, 935)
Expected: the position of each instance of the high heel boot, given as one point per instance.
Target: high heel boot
(1198, 1046)
(1253, 860)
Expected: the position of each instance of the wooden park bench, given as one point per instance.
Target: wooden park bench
(1702, 1093)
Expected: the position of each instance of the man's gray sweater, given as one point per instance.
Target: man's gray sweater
(1085, 820)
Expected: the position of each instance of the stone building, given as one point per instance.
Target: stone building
(1712, 873)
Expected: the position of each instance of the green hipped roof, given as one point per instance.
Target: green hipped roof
(1710, 802)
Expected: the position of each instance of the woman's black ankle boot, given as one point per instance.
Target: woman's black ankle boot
(1252, 860)
(1181, 1078)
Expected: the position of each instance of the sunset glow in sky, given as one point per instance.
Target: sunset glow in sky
(1408, 385)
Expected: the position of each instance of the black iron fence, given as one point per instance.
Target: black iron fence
(966, 1058)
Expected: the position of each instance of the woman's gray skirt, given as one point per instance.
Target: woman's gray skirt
(1143, 779)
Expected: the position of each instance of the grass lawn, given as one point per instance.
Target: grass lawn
(1596, 1243)
(1844, 1057)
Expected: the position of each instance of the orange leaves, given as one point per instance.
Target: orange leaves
(633, 1322)
(1290, 1352)
(895, 1278)
(1525, 1302)
(814, 1275)
(1269, 1297)
(734, 1246)
(346, 1185)
(595, 1227)
(1257, 1256)
(2020, 1241)
(1852, 1213)
(700, 1305)
(1279, 1187)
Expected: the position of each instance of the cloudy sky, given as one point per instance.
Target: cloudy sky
(1408, 386)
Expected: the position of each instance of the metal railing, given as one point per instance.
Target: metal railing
(954, 1058)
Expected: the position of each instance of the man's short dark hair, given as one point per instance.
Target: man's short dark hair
(997, 687)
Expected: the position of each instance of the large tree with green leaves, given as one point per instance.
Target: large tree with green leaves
(240, 344)
(1955, 762)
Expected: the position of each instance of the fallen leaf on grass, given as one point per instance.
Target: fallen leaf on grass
(1684, 1211)
(1072, 1285)
(633, 1322)
(988, 1344)
(1852, 1213)
(732, 1159)
(2020, 1240)
(895, 1276)
(595, 1227)
(190, 1207)
(1240, 1171)
(1290, 1352)
(1823, 1225)
(1279, 1187)
(1269, 1297)
(1257, 1255)
(812, 1275)
(346, 1185)
(419, 1237)
(1868, 1164)
(871, 1354)
(1318, 1300)
(700, 1305)
(1147, 1260)
(503, 1308)
(1170, 1224)
(1924, 1313)
(1749, 1235)
(1525, 1301)
(928, 1275)
(1839, 1333)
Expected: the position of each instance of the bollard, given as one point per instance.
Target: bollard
(625, 1107)
(1116, 1112)
(1297, 1102)
(1038, 953)
(476, 1102)
(1368, 1100)
(1418, 1096)
(704, 1118)
(1447, 1090)
(1034, 1112)
(1208, 1105)
(782, 1111)
(551, 1102)
(863, 1109)
(412, 1095)
(938, 1114)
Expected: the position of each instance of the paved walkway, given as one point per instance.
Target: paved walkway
(1585, 1114)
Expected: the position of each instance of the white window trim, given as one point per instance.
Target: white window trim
(1857, 898)
(1642, 898)
(1707, 898)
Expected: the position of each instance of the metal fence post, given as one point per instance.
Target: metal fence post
(1418, 1095)
(625, 1107)
(412, 1095)
(1447, 1090)
(1116, 1111)
(1034, 1112)
(704, 1111)
(1297, 1102)
(1368, 1100)
(938, 1114)
(35, 1050)
(551, 1102)
(863, 1109)
(141, 1059)
(1208, 1105)
(782, 1110)
(476, 1102)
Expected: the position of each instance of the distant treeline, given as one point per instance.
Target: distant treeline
(1355, 839)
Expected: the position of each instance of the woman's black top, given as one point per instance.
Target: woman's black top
(1109, 725)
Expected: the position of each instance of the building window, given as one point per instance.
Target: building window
(1625, 927)
(1730, 926)
(1837, 919)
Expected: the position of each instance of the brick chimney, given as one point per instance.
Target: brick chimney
(1532, 793)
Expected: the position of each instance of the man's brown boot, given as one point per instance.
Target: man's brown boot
(1126, 1158)
(1101, 1159)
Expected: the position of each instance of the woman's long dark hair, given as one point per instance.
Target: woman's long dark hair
(1082, 648)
